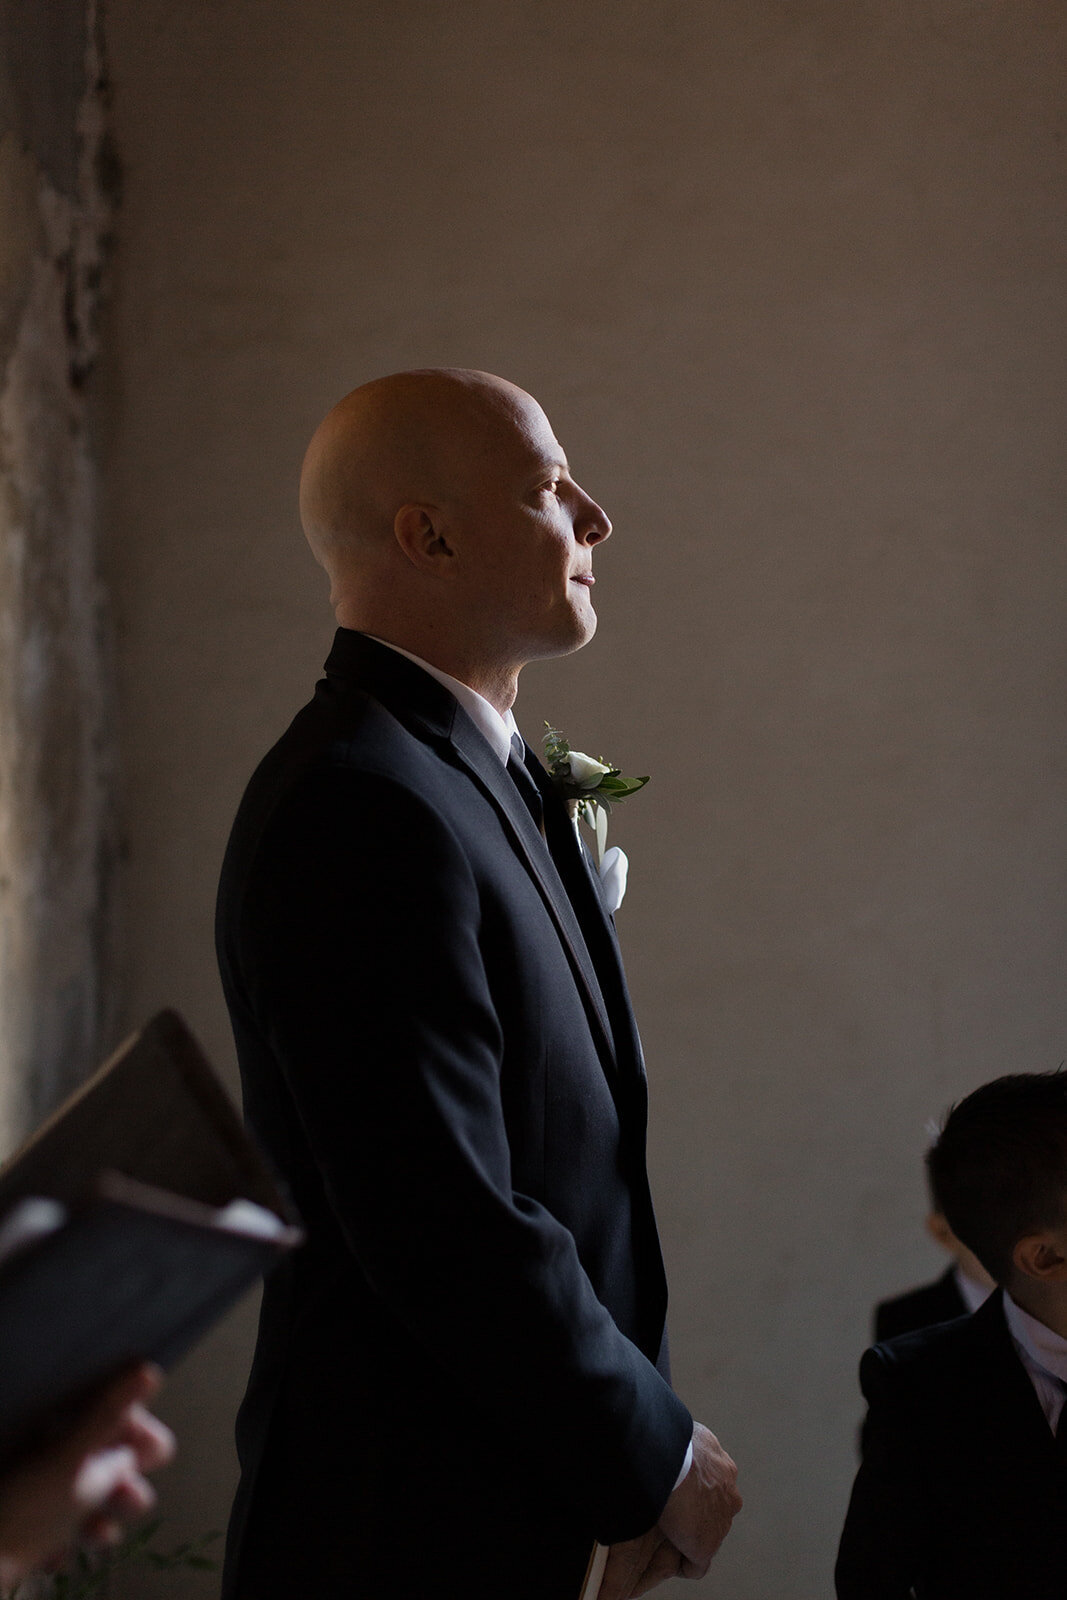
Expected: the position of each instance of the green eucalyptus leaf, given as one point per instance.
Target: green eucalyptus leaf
(557, 750)
(621, 788)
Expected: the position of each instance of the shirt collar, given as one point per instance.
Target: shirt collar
(1044, 1348)
(972, 1294)
(495, 729)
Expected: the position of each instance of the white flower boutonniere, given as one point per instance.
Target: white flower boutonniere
(591, 787)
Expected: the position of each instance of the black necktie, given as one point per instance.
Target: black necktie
(523, 781)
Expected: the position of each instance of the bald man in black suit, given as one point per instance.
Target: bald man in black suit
(461, 1383)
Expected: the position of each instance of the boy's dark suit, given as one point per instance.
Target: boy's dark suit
(455, 1386)
(963, 1489)
(940, 1301)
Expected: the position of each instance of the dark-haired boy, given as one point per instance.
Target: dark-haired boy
(963, 1486)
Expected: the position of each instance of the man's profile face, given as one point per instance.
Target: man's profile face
(529, 532)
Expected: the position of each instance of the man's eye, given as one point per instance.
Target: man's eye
(552, 486)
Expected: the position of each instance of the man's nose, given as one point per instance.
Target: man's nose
(592, 525)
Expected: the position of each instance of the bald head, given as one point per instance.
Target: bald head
(442, 507)
(415, 437)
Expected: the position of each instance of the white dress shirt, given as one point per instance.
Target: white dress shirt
(1044, 1356)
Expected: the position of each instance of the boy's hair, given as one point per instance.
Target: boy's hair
(998, 1170)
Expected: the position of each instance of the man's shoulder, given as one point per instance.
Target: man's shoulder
(355, 733)
(348, 728)
(348, 757)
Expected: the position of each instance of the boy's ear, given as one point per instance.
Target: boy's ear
(1041, 1256)
(419, 531)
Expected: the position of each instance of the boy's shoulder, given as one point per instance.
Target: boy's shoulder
(944, 1356)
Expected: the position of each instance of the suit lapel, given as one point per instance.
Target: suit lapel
(487, 771)
(581, 882)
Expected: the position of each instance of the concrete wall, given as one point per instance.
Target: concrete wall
(788, 277)
(58, 834)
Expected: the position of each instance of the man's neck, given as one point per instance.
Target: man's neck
(497, 684)
(500, 689)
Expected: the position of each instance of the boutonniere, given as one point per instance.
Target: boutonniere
(590, 787)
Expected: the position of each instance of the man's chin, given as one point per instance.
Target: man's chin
(564, 639)
(577, 635)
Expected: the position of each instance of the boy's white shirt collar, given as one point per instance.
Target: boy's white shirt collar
(1038, 1344)
(495, 729)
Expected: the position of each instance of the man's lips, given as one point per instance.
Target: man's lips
(584, 577)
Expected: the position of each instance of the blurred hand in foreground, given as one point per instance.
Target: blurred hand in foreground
(85, 1486)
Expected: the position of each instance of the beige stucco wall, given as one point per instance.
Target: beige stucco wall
(788, 278)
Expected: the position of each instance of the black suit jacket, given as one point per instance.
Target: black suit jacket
(961, 1492)
(939, 1301)
(455, 1386)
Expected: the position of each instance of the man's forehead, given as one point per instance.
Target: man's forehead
(517, 428)
(537, 439)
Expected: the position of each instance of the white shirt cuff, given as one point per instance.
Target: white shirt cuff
(686, 1464)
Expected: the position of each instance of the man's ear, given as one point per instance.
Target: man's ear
(1041, 1256)
(419, 531)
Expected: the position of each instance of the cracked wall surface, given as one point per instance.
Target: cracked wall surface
(57, 832)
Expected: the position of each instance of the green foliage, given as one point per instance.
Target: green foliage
(86, 1575)
(557, 750)
(616, 787)
(611, 788)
